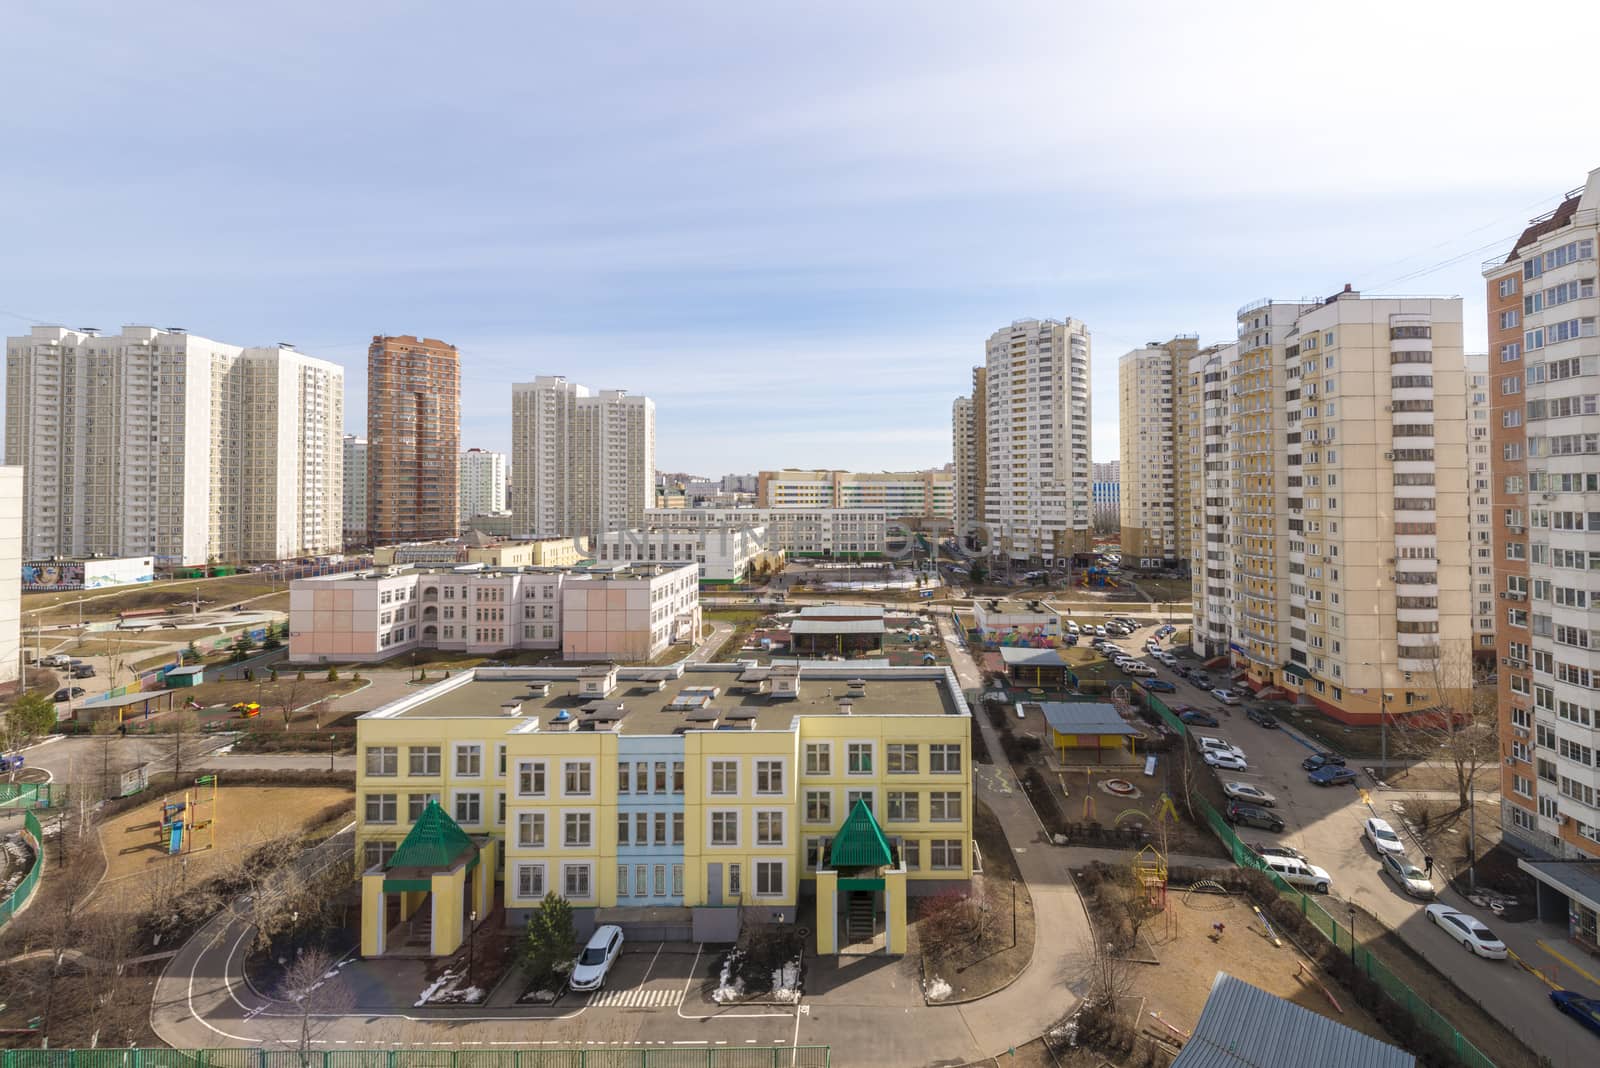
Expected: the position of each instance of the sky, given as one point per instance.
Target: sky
(791, 225)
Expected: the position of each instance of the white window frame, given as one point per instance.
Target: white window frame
(542, 768)
(944, 750)
(872, 800)
(392, 752)
(423, 751)
(711, 823)
(825, 751)
(805, 811)
(783, 828)
(769, 763)
(456, 797)
(567, 812)
(763, 863)
(570, 765)
(458, 750)
(524, 868)
(888, 758)
(944, 796)
(711, 776)
(567, 871)
(960, 847)
(537, 816)
(872, 757)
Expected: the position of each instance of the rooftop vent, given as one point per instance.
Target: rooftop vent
(536, 690)
(857, 687)
(846, 706)
(511, 708)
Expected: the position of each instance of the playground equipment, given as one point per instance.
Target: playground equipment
(1207, 895)
(180, 820)
(246, 709)
(1150, 872)
(1301, 968)
(1267, 924)
(1096, 578)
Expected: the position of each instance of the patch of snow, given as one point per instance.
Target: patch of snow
(729, 986)
(938, 989)
(786, 982)
(433, 988)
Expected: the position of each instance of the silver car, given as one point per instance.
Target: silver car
(1406, 875)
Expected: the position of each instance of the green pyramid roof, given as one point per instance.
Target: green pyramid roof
(860, 842)
(435, 841)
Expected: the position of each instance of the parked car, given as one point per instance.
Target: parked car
(1072, 628)
(1138, 669)
(1467, 930)
(67, 693)
(1196, 718)
(1208, 744)
(1406, 875)
(1070, 640)
(1100, 630)
(1200, 679)
(56, 660)
(83, 671)
(601, 952)
(1262, 717)
(1167, 658)
(1300, 873)
(1152, 647)
(1226, 761)
(1160, 686)
(1246, 791)
(1382, 836)
(1333, 775)
(1227, 697)
(1321, 760)
(1585, 1010)
(11, 762)
(1247, 815)
(1276, 851)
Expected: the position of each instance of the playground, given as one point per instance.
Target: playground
(210, 822)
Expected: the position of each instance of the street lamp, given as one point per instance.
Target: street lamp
(1351, 912)
(472, 946)
(331, 739)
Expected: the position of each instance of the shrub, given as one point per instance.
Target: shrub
(333, 673)
(549, 943)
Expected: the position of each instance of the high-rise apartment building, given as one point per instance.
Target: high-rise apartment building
(1480, 525)
(483, 483)
(1335, 415)
(11, 481)
(584, 460)
(355, 490)
(1037, 491)
(1544, 356)
(922, 494)
(413, 439)
(1151, 381)
(166, 444)
(1105, 494)
(1210, 474)
(969, 424)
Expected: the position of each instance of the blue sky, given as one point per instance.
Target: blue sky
(793, 225)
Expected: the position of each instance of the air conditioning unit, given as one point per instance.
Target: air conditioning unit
(1388, 456)
(1549, 496)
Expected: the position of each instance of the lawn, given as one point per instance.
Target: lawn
(744, 621)
(1163, 590)
(47, 608)
(273, 695)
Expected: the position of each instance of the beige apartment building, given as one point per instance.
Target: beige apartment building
(922, 494)
(1544, 365)
(1154, 501)
(1480, 526)
(969, 417)
(11, 493)
(1210, 474)
(163, 443)
(1344, 423)
(1037, 423)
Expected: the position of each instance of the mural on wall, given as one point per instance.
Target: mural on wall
(47, 576)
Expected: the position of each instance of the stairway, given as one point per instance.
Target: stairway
(859, 919)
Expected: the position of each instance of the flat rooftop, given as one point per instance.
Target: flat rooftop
(703, 697)
(1011, 607)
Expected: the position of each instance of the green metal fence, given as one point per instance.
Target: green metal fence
(32, 794)
(1339, 934)
(594, 1057)
(19, 897)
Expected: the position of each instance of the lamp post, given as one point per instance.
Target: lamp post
(1350, 909)
(472, 946)
(332, 738)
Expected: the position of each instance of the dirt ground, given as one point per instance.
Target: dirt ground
(1433, 777)
(62, 607)
(271, 696)
(242, 815)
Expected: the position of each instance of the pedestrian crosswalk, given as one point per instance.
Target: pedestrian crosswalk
(637, 998)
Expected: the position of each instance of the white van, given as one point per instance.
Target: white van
(1300, 873)
(1072, 628)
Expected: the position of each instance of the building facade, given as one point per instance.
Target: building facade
(922, 494)
(483, 483)
(164, 443)
(1480, 524)
(1037, 425)
(583, 461)
(355, 490)
(1210, 473)
(1154, 507)
(11, 498)
(827, 533)
(708, 796)
(725, 554)
(413, 439)
(1544, 358)
(1342, 591)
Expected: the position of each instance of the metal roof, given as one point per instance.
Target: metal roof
(1016, 655)
(860, 842)
(836, 626)
(1575, 878)
(1082, 717)
(1243, 1026)
(435, 842)
(835, 611)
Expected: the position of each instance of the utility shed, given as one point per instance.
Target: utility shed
(1082, 725)
(1243, 1026)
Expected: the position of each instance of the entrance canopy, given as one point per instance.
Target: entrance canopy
(860, 843)
(435, 843)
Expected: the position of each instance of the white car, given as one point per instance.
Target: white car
(1407, 876)
(1227, 697)
(1245, 791)
(1473, 935)
(601, 952)
(1099, 631)
(1138, 670)
(1226, 761)
(1167, 658)
(1072, 628)
(1217, 745)
(1382, 836)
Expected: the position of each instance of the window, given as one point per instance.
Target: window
(911, 854)
(769, 878)
(735, 881)
(677, 776)
(374, 854)
(677, 828)
(530, 778)
(661, 880)
(769, 776)
(1508, 286)
(383, 760)
(852, 796)
(623, 823)
(661, 776)
(622, 880)
(819, 758)
(415, 803)
(577, 778)
(424, 760)
(578, 828)
(903, 806)
(677, 880)
(858, 758)
(724, 777)
(819, 806)
(469, 760)
(1509, 319)
(944, 807)
(769, 828)
(382, 808)
(622, 777)
(902, 759)
(641, 777)
(944, 854)
(575, 877)
(817, 852)
(659, 829)
(530, 830)
(944, 759)
(725, 828)
(530, 881)
(469, 807)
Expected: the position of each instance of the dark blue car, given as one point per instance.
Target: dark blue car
(1159, 686)
(1333, 775)
(1585, 1010)
(1196, 718)
(1322, 760)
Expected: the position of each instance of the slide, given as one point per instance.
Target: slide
(175, 846)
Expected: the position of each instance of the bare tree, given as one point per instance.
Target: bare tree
(1105, 975)
(179, 740)
(1460, 727)
(313, 984)
(289, 692)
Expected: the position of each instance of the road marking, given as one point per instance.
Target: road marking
(1542, 944)
(636, 998)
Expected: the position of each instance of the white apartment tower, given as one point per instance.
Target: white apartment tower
(584, 460)
(1210, 477)
(483, 483)
(1150, 384)
(10, 575)
(1480, 528)
(1037, 487)
(965, 451)
(355, 490)
(163, 443)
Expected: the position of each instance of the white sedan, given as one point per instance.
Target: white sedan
(1382, 836)
(1226, 761)
(1245, 791)
(1407, 876)
(1473, 935)
(601, 952)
